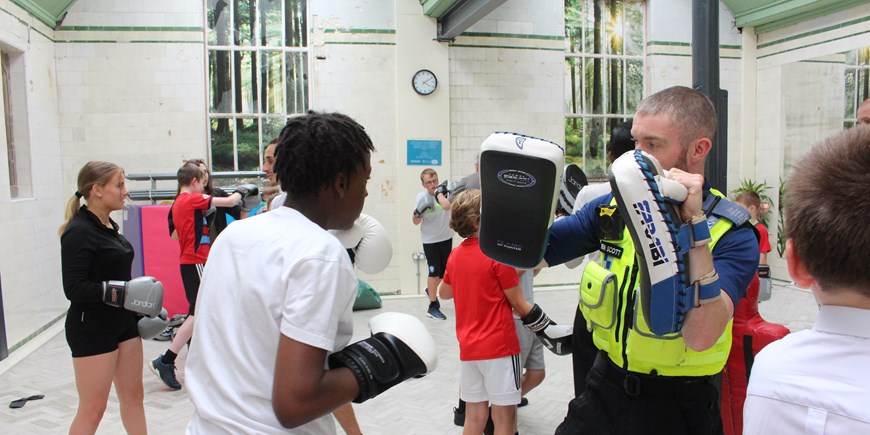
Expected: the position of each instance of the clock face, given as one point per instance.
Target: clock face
(424, 82)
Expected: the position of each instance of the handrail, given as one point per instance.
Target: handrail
(154, 194)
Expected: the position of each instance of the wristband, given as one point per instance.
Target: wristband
(707, 288)
(694, 233)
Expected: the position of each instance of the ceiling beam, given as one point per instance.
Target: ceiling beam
(463, 15)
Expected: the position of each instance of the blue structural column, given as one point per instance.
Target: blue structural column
(705, 78)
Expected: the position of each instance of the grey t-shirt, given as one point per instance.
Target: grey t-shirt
(436, 223)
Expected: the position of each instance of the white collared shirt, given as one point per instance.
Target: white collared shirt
(814, 381)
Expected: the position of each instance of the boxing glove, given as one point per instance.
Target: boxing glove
(400, 348)
(149, 327)
(442, 189)
(143, 295)
(250, 196)
(556, 337)
(371, 246)
(425, 202)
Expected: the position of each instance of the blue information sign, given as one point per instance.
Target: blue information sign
(424, 152)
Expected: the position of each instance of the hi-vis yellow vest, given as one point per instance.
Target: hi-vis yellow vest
(610, 302)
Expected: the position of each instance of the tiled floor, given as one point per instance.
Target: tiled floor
(422, 406)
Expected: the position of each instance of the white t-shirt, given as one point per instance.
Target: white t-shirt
(813, 381)
(268, 275)
(436, 223)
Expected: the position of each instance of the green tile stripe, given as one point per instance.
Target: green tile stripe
(817, 31)
(357, 43)
(36, 333)
(814, 44)
(688, 55)
(512, 35)
(114, 41)
(509, 47)
(361, 31)
(688, 44)
(130, 28)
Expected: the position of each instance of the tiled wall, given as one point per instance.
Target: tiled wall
(30, 254)
(798, 84)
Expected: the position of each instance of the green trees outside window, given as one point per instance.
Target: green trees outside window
(257, 76)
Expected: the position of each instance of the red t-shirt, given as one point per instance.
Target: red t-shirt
(484, 323)
(188, 215)
(763, 238)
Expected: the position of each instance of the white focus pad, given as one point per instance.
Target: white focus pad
(375, 250)
(520, 177)
(411, 331)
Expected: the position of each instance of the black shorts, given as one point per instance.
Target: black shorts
(190, 276)
(98, 329)
(436, 256)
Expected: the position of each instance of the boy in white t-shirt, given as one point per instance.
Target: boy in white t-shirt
(431, 212)
(276, 297)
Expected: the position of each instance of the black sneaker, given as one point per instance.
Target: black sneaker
(523, 402)
(435, 313)
(166, 372)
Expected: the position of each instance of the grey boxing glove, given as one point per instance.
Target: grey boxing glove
(143, 295)
(149, 327)
(250, 196)
(556, 337)
(425, 202)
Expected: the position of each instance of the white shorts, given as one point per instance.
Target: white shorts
(531, 348)
(494, 380)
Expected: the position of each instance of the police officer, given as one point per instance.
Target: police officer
(642, 382)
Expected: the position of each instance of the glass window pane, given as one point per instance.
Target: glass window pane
(221, 144)
(633, 85)
(297, 82)
(269, 16)
(591, 27)
(633, 27)
(593, 157)
(614, 90)
(271, 92)
(272, 127)
(218, 22)
(573, 76)
(246, 82)
(248, 138)
(851, 97)
(574, 141)
(243, 11)
(296, 22)
(594, 86)
(574, 25)
(220, 85)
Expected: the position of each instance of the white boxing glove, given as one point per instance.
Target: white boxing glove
(370, 243)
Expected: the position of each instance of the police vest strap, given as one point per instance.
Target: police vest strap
(723, 208)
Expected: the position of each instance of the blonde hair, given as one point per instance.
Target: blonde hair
(92, 173)
(465, 212)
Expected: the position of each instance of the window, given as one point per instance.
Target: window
(857, 82)
(257, 76)
(603, 75)
(14, 111)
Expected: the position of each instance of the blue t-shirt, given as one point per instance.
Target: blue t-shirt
(735, 256)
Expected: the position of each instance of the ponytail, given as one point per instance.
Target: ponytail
(72, 207)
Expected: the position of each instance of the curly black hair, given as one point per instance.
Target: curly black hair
(314, 148)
